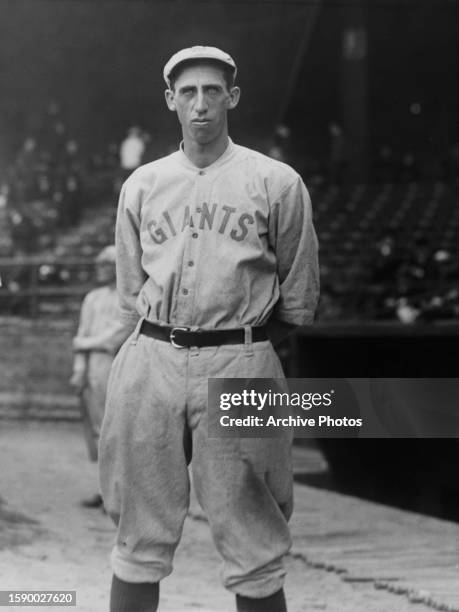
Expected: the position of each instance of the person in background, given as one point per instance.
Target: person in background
(96, 343)
(131, 150)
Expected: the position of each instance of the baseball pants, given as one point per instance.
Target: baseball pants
(155, 421)
(95, 393)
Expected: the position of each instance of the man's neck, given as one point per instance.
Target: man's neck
(205, 155)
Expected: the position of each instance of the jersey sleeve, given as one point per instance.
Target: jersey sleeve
(294, 241)
(130, 276)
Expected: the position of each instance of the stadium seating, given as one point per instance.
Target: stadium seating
(355, 226)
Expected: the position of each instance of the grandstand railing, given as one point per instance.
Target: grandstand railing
(36, 286)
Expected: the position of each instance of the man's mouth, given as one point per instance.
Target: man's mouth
(200, 121)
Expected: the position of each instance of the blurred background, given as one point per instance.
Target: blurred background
(361, 98)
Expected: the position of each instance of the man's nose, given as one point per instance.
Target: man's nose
(201, 102)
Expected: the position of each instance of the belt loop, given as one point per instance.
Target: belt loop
(248, 340)
(135, 335)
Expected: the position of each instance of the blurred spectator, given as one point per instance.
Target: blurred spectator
(426, 285)
(111, 157)
(27, 156)
(71, 160)
(413, 273)
(24, 233)
(409, 169)
(329, 308)
(72, 202)
(279, 147)
(443, 268)
(385, 166)
(406, 312)
(24, 169)
(443, 306)
(382, 289)
(386, 260)
(131, 150)
(337, 153)
(53, 109)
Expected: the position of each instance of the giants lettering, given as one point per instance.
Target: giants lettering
(206, 219)
(243, 219)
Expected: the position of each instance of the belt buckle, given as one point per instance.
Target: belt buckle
(172, 335)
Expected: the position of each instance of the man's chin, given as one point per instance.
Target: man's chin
(203, 139)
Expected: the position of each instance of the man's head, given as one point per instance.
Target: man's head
(194, 55)
(228, 72)
(106, 266)
(201, 90)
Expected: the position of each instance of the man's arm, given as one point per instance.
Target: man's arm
(108, 341)
(294, 241)
(278, 330)
(130, 276)
(80, 360)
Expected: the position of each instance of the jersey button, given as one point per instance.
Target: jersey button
(185, 291)
(198, 209)
(195, 234)
(191, 263)
(201, 172)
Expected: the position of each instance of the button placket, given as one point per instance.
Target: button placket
(188, 268)
(194, 246)
(187, 281)
(186, 284)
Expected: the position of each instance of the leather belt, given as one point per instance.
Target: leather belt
(183, 337)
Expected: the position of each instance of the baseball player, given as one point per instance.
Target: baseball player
(98, 338)
(216, 258)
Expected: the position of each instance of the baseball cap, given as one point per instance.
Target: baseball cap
(197, 52)
(107, 255)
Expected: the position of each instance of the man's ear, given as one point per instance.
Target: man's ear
(233, 99)
(170, 99)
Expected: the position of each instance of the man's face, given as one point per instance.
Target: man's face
(202, 100)
(105, 273)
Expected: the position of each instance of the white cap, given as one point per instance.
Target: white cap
(198, 52)
(107, 255)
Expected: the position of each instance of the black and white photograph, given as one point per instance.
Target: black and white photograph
(229, 305)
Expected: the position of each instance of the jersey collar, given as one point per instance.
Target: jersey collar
(224, 157)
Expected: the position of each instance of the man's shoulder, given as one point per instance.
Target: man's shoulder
(94, 294)
(148, 172)
(267, 167)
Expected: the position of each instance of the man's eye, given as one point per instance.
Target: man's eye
(212, 91)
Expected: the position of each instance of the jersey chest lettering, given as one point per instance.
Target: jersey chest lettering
(222, 219)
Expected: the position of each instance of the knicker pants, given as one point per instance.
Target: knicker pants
(95, 393)
(156, 411)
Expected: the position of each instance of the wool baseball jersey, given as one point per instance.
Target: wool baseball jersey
(100, 333)
(218, 247)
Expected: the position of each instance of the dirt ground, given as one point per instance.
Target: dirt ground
(49, 542)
